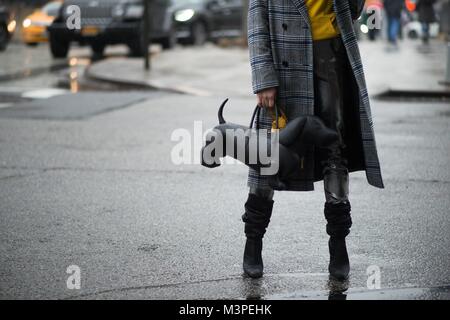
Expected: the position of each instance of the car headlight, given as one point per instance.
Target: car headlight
(184, 15)
(12, 26)
(26, 23)
(364, 28)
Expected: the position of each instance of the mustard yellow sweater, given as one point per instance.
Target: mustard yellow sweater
(323, 19)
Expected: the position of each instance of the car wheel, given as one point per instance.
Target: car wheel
(98, 50)
(170, 41)
(199, 34)
(3, 38)
(136, 47)
(58, 48)
(31, 44)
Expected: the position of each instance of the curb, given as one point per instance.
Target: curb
(150, 85)
(394, 94)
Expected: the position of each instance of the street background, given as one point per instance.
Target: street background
(86, 179)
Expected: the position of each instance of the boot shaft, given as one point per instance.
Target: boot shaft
(258, 211)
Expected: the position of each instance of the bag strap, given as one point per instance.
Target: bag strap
(257, 112)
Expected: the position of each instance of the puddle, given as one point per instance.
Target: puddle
(270, 287)
(33, 72)
(412, 293)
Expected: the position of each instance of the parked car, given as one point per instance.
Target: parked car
(200, 20)
(105, 22)
(34, 26)
(7, 27)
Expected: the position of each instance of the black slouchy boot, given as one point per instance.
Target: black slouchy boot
(258, 211)
(338, 227)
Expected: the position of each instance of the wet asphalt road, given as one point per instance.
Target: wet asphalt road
(102, 194)
(100, 191)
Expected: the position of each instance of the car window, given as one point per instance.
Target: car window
(235, 3)
(51, 9)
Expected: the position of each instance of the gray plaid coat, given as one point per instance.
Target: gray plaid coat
(280, 46)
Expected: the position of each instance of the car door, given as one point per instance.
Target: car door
(224, 15)
(160, 22)
(234, 12)
(215, 12)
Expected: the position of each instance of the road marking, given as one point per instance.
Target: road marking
(44, 93)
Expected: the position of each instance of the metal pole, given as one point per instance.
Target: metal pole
(146, 35)
(447, 77)
(445, 19)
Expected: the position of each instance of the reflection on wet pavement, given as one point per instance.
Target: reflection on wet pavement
(433, 293)
(33, 67)
(270, 287)
(338, 289)
(76, 72)
(253, 289)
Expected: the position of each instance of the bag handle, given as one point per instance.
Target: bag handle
(257, 112)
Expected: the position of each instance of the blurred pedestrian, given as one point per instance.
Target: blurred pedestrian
(393, 10)
(305, 59)
(426, 16)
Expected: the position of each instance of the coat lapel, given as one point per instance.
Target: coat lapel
(301, 7)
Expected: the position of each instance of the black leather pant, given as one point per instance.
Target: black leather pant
(330, 69)
(330, 72)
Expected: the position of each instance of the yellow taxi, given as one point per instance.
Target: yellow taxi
(34, 26)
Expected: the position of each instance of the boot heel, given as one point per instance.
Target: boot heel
(253, 263)
(258, 210)
(339, 266)
(338, 227)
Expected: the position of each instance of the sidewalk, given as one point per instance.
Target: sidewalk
(202, 71)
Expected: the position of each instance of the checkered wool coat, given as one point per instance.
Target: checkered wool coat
(280, 46)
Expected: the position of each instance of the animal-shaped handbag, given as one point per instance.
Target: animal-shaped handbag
(289, 143)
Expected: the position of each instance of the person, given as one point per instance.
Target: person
(426, 16)
(305, 59)
(393, 10)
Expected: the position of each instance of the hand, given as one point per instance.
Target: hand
(266, 98)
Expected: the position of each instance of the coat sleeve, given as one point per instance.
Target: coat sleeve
(264, 74)
(356, 8)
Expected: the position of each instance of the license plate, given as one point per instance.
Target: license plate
(90, 31)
